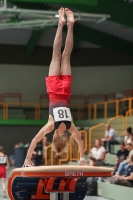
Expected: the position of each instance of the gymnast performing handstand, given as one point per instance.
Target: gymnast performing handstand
(58, 85)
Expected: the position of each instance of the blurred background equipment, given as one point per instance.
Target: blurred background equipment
(13, 17)
(20, 152)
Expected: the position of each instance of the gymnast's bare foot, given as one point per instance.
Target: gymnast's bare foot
(70, 16)
(61, 16)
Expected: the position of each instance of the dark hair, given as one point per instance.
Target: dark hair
(1, 149)
(99, 141)
(129, 130)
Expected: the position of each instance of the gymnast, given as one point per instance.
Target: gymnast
(58, 85)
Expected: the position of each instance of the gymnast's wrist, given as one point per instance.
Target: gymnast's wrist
(27, 158)
(82, 158)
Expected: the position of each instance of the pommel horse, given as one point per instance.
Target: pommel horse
(52, 182)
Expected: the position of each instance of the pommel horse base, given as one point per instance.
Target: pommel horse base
(52, 182)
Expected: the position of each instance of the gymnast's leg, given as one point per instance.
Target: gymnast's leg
(3, 181)
(54, 68)
(65, 62)
(66, 70)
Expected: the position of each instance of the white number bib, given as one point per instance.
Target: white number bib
(62, 114)
(2, 160)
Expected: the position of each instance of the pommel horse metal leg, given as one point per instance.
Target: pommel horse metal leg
(54, 196)
(52, 182)
(66, 196)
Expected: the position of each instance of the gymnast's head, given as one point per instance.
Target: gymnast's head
(60, 142)
(1, 149)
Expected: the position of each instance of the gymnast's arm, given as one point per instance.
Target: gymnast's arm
(73, 130)
(46, 129)
(7, 162)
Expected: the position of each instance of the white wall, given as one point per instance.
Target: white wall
(102, 80)
(29, 80)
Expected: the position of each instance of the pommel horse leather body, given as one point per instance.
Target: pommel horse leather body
(40, 182)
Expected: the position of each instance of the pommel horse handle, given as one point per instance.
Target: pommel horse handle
(46, 182)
